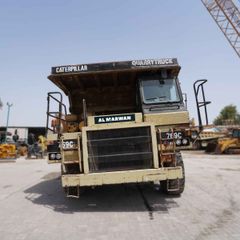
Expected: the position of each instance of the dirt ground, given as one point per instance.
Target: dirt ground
(33, 205)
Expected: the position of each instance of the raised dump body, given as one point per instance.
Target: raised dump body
(125, 120)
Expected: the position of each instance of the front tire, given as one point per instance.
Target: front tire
(168, 186)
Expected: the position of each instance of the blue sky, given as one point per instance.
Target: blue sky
(36, 35)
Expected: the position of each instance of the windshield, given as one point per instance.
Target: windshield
(160, 91)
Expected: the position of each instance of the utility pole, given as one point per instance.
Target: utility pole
(8, 113)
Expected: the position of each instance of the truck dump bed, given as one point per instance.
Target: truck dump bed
(108, 86)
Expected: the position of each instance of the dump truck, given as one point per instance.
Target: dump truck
(125, 124)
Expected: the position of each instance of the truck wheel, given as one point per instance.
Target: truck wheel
(177, 184)
(211, 147)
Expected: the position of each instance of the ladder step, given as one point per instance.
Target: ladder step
(173, 189)
(73, 192)
(71, 162)
(168, 153)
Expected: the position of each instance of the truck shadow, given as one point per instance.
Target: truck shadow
(108, 198)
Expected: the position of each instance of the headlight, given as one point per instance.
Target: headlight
(58, 156)
(185, 141)
(52, 156)
(178, 142)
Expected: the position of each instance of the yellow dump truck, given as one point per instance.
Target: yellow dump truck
(125, 123)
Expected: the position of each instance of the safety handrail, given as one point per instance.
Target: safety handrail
(57, 115)
(198, 88)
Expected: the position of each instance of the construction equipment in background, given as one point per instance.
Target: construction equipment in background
(205, 132)
(209, 134)
(34, 152)
(227, 16)
(228, 145)
(8, 151)
(36, 148)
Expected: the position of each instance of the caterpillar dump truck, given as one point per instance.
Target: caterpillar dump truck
(125, 123)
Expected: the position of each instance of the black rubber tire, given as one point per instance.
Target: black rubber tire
(211, 147)
(174, 183)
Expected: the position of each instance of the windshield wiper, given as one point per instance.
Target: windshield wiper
(170, 104)
(153, 98)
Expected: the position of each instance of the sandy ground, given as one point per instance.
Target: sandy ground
(33, 205)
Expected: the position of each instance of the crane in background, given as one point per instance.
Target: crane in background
(227, 16)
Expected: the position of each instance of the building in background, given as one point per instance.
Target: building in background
(21, 134)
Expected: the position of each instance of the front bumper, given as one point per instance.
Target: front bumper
(131, 176)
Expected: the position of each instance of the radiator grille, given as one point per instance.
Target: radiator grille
(120, 149)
